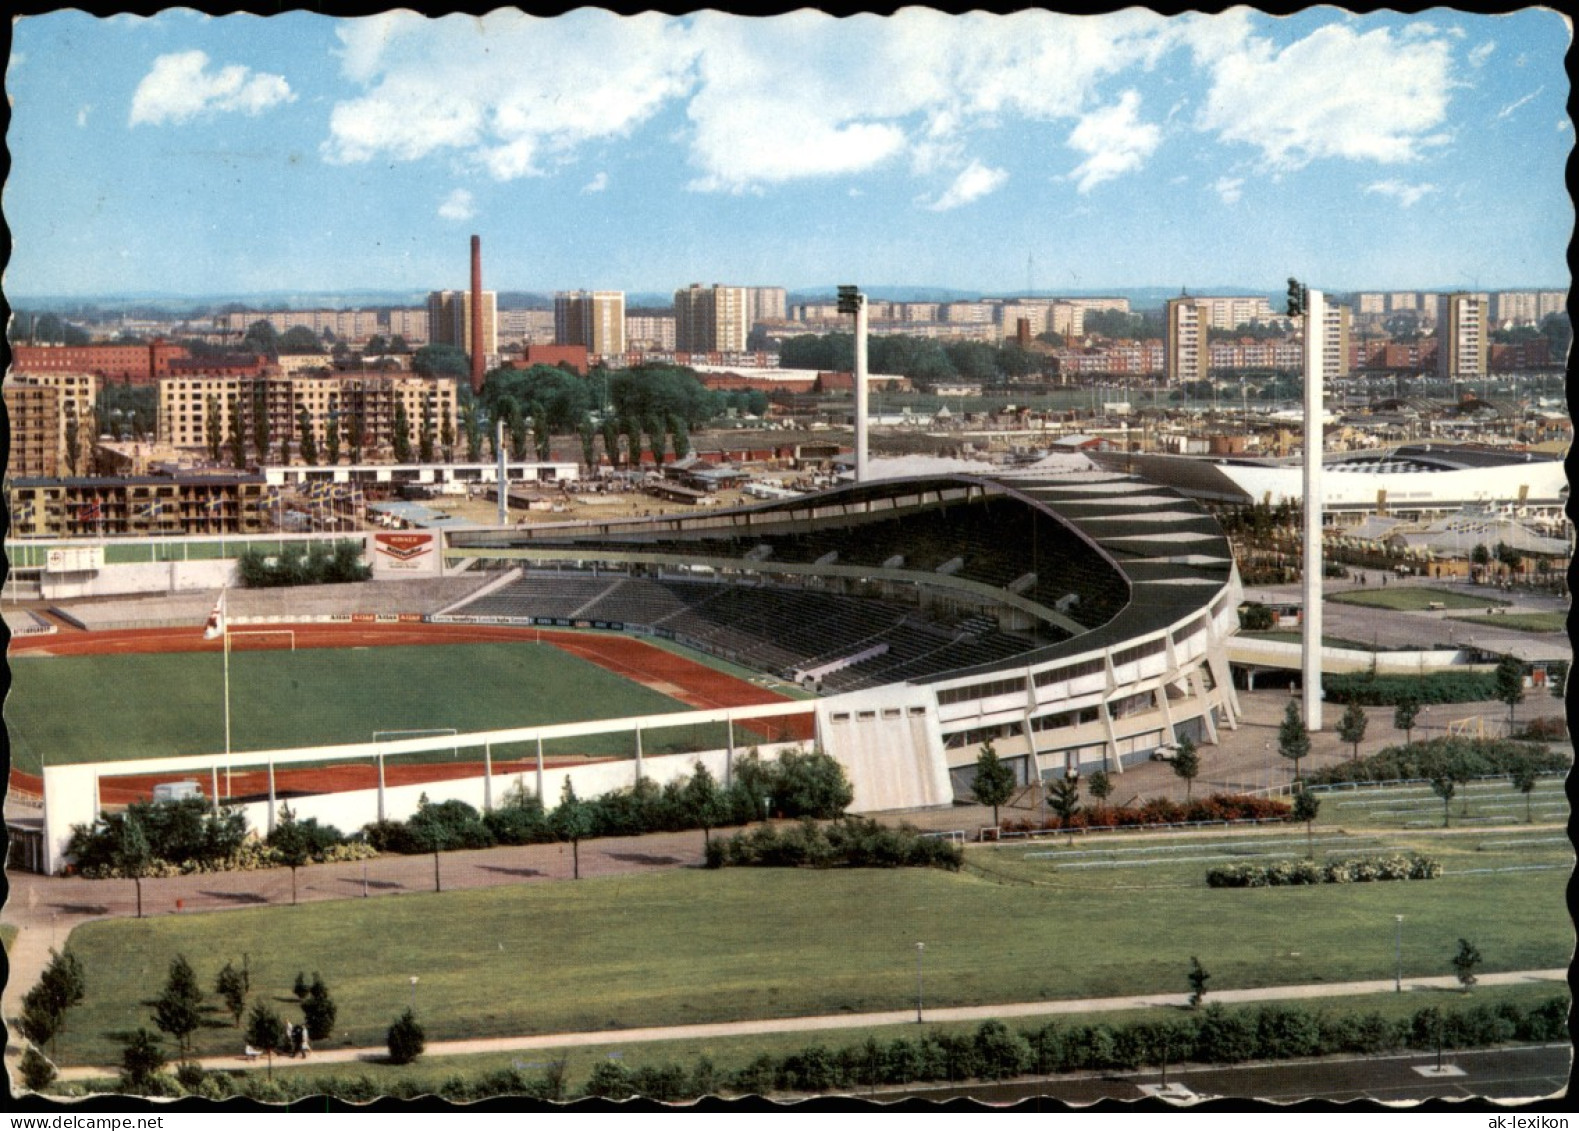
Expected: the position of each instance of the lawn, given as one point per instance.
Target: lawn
(1520, 622)
(1411, 598)
(693, 945)
(103, 708)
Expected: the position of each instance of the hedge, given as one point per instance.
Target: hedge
(1370, 690)
(1348, 870)
(849, 842)
(994, 1051)
(1161, 811)
(1470, 757)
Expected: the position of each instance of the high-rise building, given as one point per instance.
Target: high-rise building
(766, 304)
(710, 319)
(1336, 360)
(1463, 338)
(595, 319)
(449, 322)
(1185, 353)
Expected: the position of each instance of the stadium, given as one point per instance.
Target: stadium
(1078, 620)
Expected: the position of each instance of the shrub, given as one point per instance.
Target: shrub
(849, 842)
(405, 1039)
(1349, 870)
(1471, 757)
(611, 1080)
(37, 1072)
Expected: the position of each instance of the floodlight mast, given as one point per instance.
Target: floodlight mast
(1311, 306)
(852, 301)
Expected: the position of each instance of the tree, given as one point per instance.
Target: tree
(1444, 771)
(1256, 617)
(994, 782)
(1100, 786)
(213, 427)
(1405, 714)
(261, 337)
(265, 1032)
(402, 434)
(235, 437)
(141, 1061)
(1464, 963)
(704, 802)
(1351, 728)
(1508, 681)
(405, 1039)
(319, 1010)
(299, 339)
(1197, 978)
(1187, 763)
(301, 985)
(178, 1008)
(132, 855)
(447, 434)
(572, 821)
(1525, 774)
(1306, 806)
(309, 443)
(331, 437)
(231, 986)
(425, 435)
(293, 843)
(61, 986)
(1066, 799)
(1293, 741)
(285, 448)
(472, 428)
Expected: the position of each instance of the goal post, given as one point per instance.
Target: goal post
(239, 632)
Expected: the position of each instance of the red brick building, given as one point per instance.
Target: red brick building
(573, 356)
(135, 364)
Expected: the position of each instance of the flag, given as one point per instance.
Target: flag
(24, 511)
(152, 510)
(216, 619)
(215, 502)
(89, 512)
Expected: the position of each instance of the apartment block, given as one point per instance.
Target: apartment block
(150, 505)
(649, 332)
(594, 319)
(449, 322)
(1184, 342)
(1463, 335)
(710, 319)
(136, 364)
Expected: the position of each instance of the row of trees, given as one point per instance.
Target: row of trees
(796, 784)
(925, 361)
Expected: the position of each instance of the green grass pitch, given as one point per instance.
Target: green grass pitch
(112, 708)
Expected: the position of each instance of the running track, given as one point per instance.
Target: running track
(687, 681)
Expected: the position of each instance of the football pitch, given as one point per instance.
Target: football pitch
(113, 708)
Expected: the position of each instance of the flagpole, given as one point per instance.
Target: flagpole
(224, 623)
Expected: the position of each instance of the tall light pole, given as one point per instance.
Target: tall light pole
(1309, 304)
(1398, 954)
(920, 950)
(852, 301)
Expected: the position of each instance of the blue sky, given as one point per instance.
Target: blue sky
(192, 154)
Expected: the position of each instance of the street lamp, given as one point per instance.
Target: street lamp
(1398, 954)
(920, 950)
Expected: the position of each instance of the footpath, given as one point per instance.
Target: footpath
(822, 1023)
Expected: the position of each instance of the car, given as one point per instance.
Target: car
(1165, 752)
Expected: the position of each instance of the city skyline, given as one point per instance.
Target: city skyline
(189, 154)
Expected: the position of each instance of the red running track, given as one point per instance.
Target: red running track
(692, 683)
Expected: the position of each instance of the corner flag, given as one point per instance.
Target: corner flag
(216, 619)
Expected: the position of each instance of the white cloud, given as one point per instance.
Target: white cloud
(975, 182)
(1229, 189)
(766, 101)
(1507, 111)
(597, 183)
(82, 115)
(180, 87)
(1479, 55)
(1406, 194)
(458, 206)
(1114, 141)
(1335, 93)
(509, 92)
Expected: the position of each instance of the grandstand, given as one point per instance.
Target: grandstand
(1076, 620)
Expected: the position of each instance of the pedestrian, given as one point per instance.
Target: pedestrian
(297, 1036)
(306, 1044)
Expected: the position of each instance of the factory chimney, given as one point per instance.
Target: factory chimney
(476, 312)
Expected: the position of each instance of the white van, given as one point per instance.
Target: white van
(177, 790)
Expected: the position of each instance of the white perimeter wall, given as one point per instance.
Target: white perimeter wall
(142, 577)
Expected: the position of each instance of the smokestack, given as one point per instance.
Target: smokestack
(477, 343)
